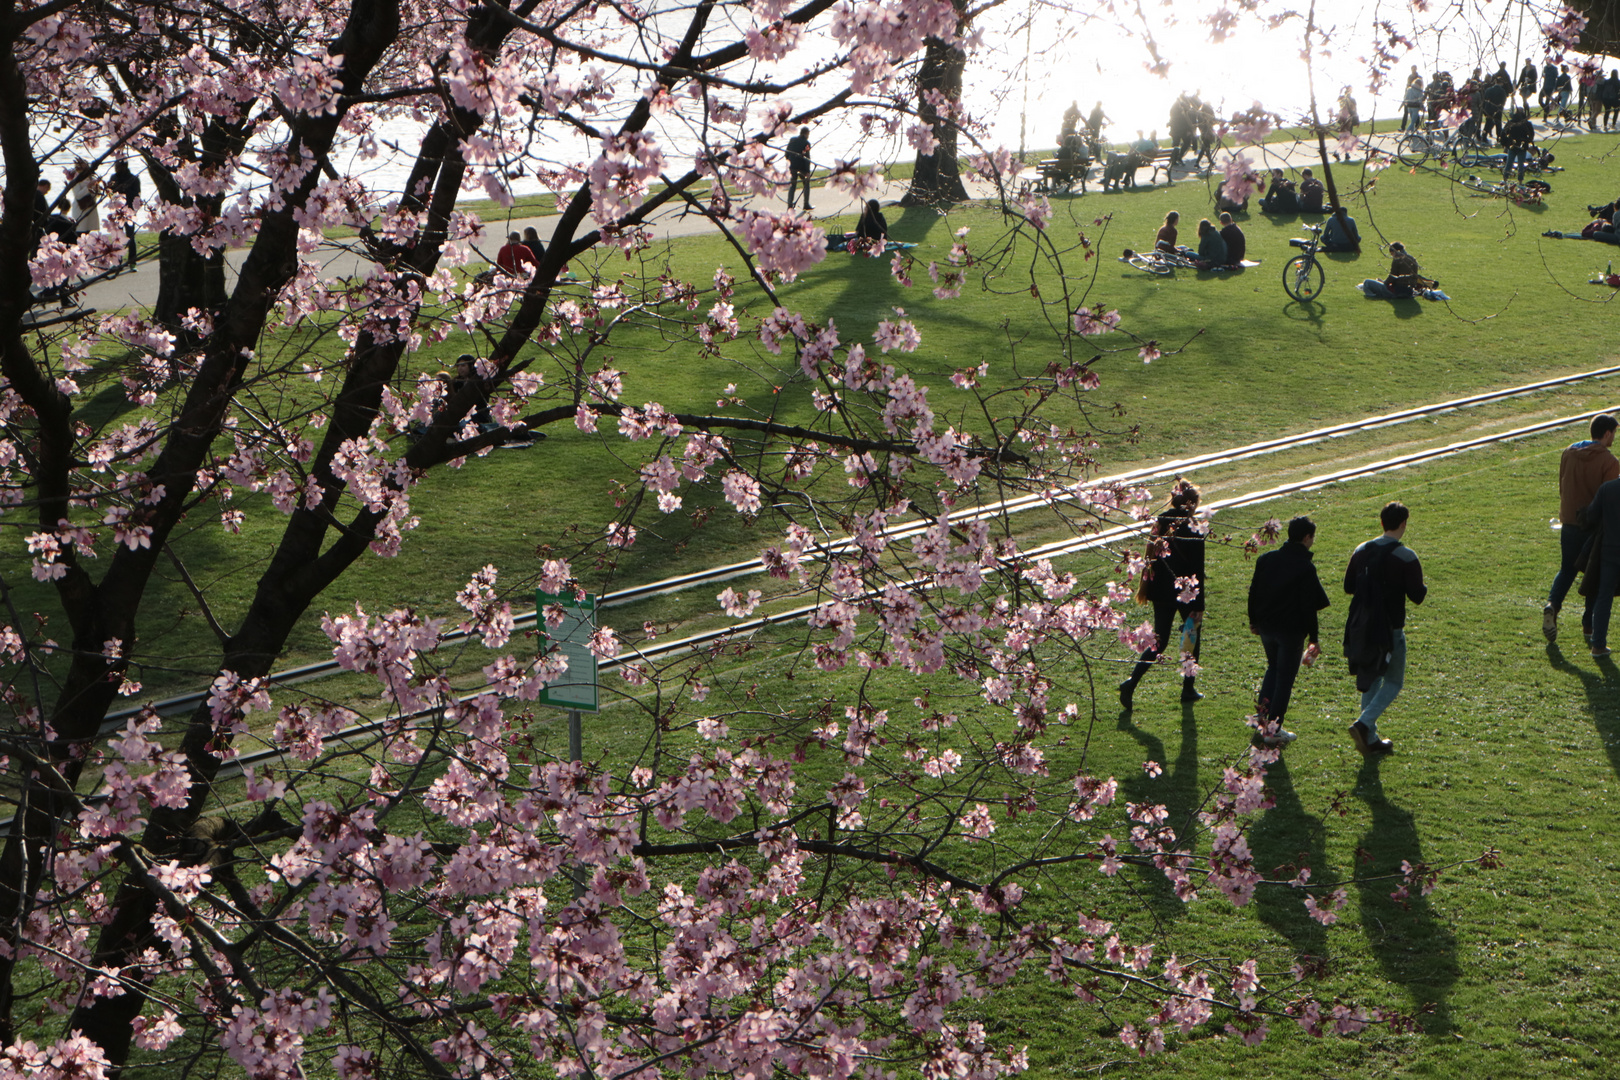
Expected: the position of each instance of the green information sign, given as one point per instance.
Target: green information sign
(577, 690)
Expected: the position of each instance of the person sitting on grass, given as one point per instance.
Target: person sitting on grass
(1166, 240)
(514, 257)
(1405, 280)
(1211, 247)
(872, 225)
(1340, 233)
(536, 246)
(1237, 245)
(1281, 197)
(1311, 194)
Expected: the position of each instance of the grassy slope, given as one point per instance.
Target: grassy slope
(1257, 363)
(1503, 742)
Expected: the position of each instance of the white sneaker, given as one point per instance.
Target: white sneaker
(1282, 737)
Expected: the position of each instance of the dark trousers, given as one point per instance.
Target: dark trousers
(796, 180)
(1164, 621)
(1284, 653)
(1608, 582)
(1572, 541)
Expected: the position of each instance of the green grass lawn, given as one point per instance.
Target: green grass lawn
(1502, 742)
(1251, 363)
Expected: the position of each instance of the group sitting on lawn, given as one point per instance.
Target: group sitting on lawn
(1219, 247)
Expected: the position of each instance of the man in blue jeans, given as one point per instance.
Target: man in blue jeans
(1585, 466)
(1401, 575)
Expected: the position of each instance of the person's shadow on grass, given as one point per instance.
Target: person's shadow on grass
(1285, 839)
(1416, 951)
(1177, 789)
(1602, 698)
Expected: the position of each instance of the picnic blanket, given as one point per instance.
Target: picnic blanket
(1373, 289)
(841, 243)
(1187, 264)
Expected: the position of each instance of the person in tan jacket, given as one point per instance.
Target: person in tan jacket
(1584, 467)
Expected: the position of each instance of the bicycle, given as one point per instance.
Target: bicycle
(1416, 147)
(1528, 193)
(1156, 262)
(1303, 277)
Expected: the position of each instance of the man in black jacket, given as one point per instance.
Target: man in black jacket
(1401, 577)
(1284, 598)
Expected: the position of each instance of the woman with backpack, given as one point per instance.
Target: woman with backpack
(1174, 584)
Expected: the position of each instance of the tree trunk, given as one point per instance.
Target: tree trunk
(937, 177)
(187, 280)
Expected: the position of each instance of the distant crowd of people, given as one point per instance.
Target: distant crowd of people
(1486, 98)
(78, 209)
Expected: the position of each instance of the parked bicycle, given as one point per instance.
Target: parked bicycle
(1527, 193)
(1416, 147)
(1303, 277)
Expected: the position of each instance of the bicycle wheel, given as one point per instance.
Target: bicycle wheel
(1150, 265)
(1413, 149)
(1303, 278)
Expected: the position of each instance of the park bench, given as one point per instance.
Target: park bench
(1053, 175)
(1162, 160)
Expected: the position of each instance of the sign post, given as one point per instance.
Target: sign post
(578, 694)
(578, 690)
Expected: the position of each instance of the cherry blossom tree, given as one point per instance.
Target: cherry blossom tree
(427, 887)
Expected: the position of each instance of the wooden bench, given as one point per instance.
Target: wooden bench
(1057, 174)
(1162, 160)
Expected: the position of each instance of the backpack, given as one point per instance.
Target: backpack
(1369, 642)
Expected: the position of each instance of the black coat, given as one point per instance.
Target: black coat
(1184, 559)
(1286, 594)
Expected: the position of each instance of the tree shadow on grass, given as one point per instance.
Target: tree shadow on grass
(1415, 949)
(1285, 839)
(1602, 698)
(1177, 789)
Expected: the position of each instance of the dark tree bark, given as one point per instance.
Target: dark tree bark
(937, 177)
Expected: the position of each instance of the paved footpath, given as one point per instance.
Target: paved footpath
(140, 287)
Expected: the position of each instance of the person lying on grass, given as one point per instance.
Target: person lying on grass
(1598, 229)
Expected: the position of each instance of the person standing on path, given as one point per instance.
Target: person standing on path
(126, 184)
(798, 159)
(1400, 576)
(1284, 597)
(1583, 467)
(1174, 583)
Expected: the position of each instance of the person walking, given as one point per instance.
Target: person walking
(1603, 516)
(1396, 575)
(798, 159)
(1519, 137)
(1284, 597)
(1584, 466)
(1174, 584)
